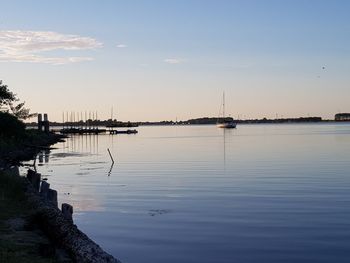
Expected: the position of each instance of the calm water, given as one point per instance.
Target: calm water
(260, 193)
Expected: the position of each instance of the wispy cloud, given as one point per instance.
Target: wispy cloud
(174, 60)
(26, 46)
(121, 46)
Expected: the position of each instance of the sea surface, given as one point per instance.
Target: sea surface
(258, 193)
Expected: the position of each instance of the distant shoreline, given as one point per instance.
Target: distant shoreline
(197, 121)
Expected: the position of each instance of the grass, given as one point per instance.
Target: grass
(23, 245)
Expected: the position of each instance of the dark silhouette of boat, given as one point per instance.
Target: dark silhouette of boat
(123, 131)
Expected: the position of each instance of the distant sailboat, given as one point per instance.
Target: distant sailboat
(225, 122)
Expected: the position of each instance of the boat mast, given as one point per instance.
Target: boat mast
(223, 105)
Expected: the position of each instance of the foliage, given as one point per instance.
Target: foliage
(6, 96)
(10, 126)
(7, 102)
(21, 112)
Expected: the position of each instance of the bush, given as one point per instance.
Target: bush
(10, 126)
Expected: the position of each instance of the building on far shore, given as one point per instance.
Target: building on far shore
(342, 117)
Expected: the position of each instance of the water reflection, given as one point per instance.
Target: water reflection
(284, 194)
(44, 156)
(110, 169)
(86, 143)
(226, 134)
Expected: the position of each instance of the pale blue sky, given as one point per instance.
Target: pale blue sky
(154, 60)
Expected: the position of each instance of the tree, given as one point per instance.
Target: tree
(10, 126)
(6, 96)
(21, 112)
(7, 101)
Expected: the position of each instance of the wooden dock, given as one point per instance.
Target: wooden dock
(82, 131)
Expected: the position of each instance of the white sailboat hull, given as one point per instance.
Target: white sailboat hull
(230, 125)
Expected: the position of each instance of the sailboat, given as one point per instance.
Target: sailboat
(225, 122)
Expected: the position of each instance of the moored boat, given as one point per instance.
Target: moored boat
(123, 131)
(225, 122)
(227, 125)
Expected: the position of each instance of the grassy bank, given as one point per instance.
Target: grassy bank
(21, 239)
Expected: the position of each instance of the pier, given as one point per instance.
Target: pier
(74, 123)
(82, 131)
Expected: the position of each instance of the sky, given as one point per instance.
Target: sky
(162, 60)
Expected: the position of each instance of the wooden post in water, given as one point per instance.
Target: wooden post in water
(44, 189)
(67, 211)
(52, 196)
(46, 123)
(40, 122)
(34, 178)
(110, 155)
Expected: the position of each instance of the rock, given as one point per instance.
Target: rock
(63, 232)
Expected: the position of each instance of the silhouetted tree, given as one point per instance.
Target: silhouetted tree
(10, 126)
(7, 103)
(6, 96)
(21, 112)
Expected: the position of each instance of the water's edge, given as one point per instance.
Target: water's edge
(62, 231)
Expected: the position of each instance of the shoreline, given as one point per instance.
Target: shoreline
(56, 226)
(191, 122)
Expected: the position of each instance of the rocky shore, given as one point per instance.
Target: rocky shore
(65, 239)
(60, 227)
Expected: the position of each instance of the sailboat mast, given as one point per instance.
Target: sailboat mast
(223, 104)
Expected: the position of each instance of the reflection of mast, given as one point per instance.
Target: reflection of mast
(224, 149)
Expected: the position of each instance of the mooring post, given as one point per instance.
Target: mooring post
(46, 123)
(41, 157)
(34, 178)
(67, 211)
(110, 155)
(52, 197)
(40, 122)
(44, 189)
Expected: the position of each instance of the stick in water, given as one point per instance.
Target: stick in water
(110, 155)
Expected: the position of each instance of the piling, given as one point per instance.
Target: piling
(44, 189)
(67, 211)
(46, 123)
(52, 197)
(40, 122)
(34, 178)
(110, 155)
